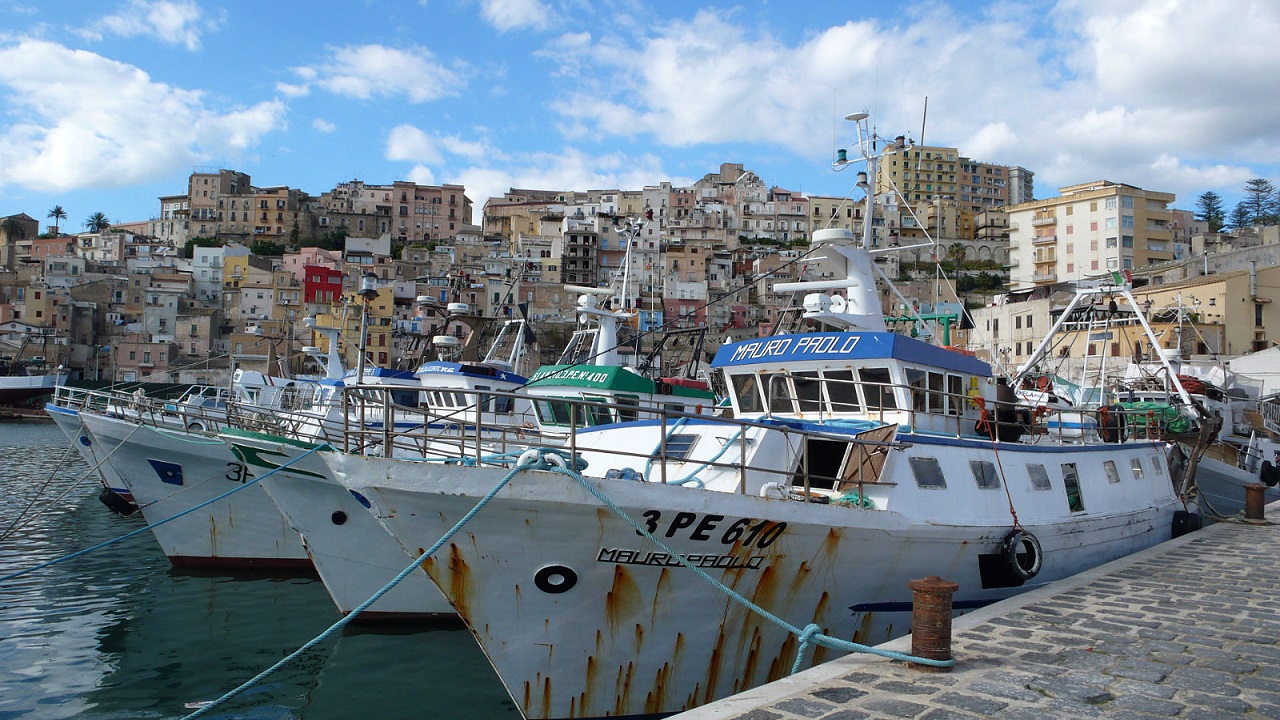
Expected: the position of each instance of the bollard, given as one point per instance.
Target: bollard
(931, 620)
(1254, 501)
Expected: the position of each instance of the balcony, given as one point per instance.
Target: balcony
(1045, 277)
(1042, 220)
(1044, 240)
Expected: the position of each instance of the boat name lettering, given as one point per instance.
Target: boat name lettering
(826, 344)
(748, 531)
(438, 369)
(623, 556)
(761, 348)
(587, 375)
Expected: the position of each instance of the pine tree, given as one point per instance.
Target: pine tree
(1209, 209)
(1260, 201)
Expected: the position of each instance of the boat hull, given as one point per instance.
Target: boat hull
(171, 471)
(583, 617)
(68, 421)
(353, 555)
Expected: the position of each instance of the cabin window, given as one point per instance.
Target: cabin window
(955, 391)
(876, 386)
(1039, 477)
(440, 399)
(1155, 465)
(984, 472)
(483, 400)
(917, 379)
(808, 391)
(407, 398)
(842, 391)
(595, 415)
(503, 404)
(937, 396)
(1136, 464)
(673, 407)
(1113, 475)
(744, 387)
(679, 446)
(1071, 484)
(777, 392)
(627, 410)
(928, 472)
(552, 413)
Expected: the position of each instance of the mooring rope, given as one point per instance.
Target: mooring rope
(809, 636)
(22, 520)
(210, 501)
(544, 459)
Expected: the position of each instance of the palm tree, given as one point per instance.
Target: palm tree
(97, 222)
(58, 214)
(12, 228)
(956, 252)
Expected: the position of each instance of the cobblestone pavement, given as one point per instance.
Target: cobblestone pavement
(1187, 629)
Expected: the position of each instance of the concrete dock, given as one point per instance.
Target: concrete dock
(1187, 629)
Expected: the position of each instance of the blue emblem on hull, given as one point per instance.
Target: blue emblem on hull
(169, 472)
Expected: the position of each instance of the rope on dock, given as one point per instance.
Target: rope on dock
(534, 459)
(210, 501)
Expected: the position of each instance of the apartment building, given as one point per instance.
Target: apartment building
(1089, 230)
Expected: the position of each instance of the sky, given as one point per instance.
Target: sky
(105, 106)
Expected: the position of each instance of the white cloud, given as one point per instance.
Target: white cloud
(169, 21)
(322, 125)
(507, 15)
(406, 142)
(1096, 89)
(367, 71)
(82, 120)
(291, 90)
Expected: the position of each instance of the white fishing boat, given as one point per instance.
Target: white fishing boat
(351, 553)
(854, 461)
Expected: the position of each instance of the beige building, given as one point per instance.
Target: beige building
(1089, 230)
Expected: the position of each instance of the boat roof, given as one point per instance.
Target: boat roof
(477, 370)
(840, 347)
(607, 377)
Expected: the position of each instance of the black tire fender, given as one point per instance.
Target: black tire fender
(1022, 542)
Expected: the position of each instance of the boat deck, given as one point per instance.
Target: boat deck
(1189, 628)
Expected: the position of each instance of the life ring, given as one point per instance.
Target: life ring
(527, 424)
(195, 427)
(1022, 542)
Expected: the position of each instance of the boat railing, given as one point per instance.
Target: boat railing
(374, 425)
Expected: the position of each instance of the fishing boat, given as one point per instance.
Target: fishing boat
(850, 461)
(352, 555)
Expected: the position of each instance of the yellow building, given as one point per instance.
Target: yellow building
(1088, 231)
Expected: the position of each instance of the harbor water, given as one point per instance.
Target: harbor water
(119, 633)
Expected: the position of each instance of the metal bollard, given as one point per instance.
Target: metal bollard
(1255, 502)
(931, 620)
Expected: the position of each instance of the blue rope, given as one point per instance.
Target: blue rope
(139, 531)
(539, 463)
(810, 635)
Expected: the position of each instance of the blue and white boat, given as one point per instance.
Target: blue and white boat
(851, 461)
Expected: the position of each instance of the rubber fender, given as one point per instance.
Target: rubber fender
(1022, 541)
(1185, 522)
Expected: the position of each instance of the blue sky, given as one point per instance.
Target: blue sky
(105, 106)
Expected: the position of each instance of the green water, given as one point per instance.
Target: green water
(118, 633)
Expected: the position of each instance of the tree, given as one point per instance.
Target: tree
(1239, 218)
(97, 222)
(1260, 201)
(955, 253)
(13, 228)
(58, 214)
(1209, 209)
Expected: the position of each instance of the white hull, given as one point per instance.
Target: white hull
(1222, 487)
(354, 556)
(170, 471)
(69, 422)
(582, 617)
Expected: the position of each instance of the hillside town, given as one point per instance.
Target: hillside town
(230, 274)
